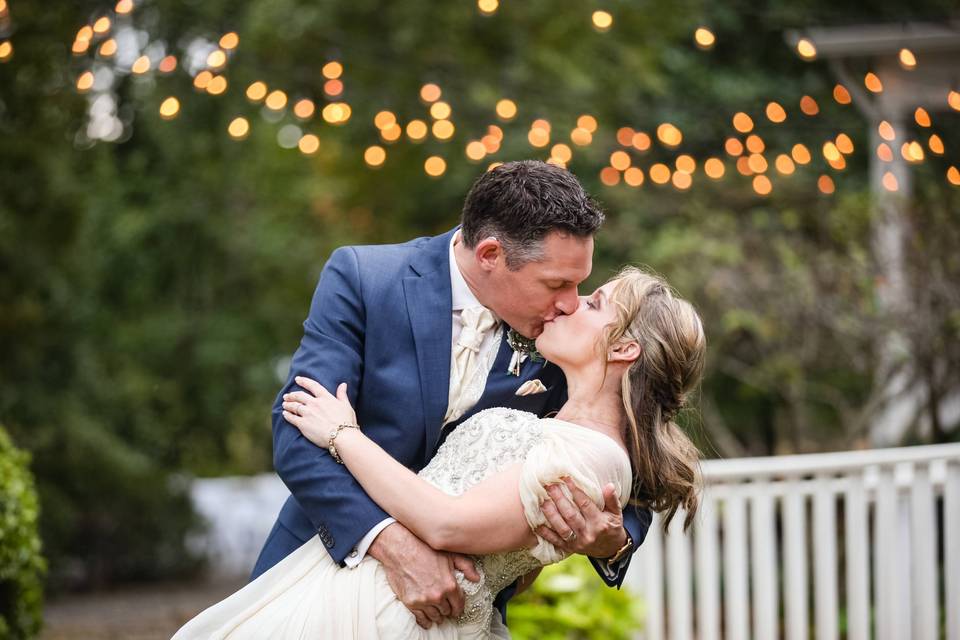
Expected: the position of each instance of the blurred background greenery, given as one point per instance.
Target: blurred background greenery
(155, 271)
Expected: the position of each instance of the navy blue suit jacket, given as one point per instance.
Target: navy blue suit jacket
(380, 321)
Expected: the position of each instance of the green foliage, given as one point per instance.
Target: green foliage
(569, 602)
(21, 564)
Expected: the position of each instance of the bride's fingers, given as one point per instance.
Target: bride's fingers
(293, 419)
(312, 386)
(342, 392)
(298, 396)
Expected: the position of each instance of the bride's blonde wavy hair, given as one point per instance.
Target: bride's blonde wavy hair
(666, 469)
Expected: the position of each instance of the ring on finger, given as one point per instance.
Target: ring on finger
(571, 536)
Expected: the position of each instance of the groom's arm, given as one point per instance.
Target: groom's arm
(330, 352)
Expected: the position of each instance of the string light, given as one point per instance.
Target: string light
(217, 85)
(506, 109)
(912, 152)
(714, 168)
(806, 49)
(488, 7)
(581, 137)
(276, 100)
(669, 135)
(885, 129)
(620, 160)
(953, 175)
(435, 166)
(800, 154)
(384, 119)
(6, 51)
(844, 143)
(743, 166)
(229, 41)
(102, 25)
(757, 163)
(562, 152)
(124, 6)
(141, 65)
(841, 95)
(391, 133)
(375, 156)
(238, 128)
(202, 79)
(686, 164)
(784, 164)
(884, 152)
(633, 176)
(431, 93)
(85, 81)
(333, 88)
(742, 122)
(443, 129)
(475, 151)
(641, 141)
(440, 110)
(704, 38)
(953, 99)
(417, 130)
(337, 113)
(216, 59)
(762, 185)
(108, 48)
(755, 144)
(922, 117)
(609, 176)
(872, 82)
(890, 181)
(625, 136)
(936, 144)
(733, 147)
(309, 144)
(169, 108)
(660, 173)
(602, 20)
(167, 65)
(588, 122)
(681, 180)
(907, 60)
(776, 113)
(304, 109)
(809, 106)
(332, 70)
(825, 184)
(256, 91)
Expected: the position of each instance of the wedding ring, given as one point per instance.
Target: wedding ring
(572, 536)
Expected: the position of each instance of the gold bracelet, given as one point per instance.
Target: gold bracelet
(618, 556)
(331, 447)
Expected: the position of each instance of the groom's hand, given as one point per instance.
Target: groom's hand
(578, 526)
(422, 578)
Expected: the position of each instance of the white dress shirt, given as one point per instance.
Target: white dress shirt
(462, 298)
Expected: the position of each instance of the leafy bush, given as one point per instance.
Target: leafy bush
(21, 565)
(568, 601)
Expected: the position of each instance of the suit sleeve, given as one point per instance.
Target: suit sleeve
(330, 352)
(636, 521)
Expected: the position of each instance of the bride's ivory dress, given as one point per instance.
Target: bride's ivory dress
(308, 596)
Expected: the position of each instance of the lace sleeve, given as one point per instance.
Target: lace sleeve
(590, 459)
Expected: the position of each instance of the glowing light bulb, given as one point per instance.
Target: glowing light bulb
(633, 176)
(506, 109)
(776, 113)
(169, 108)
(714, 168)
(704, 38)
(907, 60)
(435, 166)
(374, 156)
(602, 20)
(841, 95)
(872, 82)
(742, 122)
(806, 49)
(431, 93)
(238, 128)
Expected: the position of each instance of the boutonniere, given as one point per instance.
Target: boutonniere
(522, 349)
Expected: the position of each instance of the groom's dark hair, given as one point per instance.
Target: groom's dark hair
(519, 203)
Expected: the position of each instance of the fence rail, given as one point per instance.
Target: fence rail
(859, 545)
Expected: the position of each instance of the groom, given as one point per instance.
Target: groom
(419, 332)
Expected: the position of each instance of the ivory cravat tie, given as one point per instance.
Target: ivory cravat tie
(476, 321)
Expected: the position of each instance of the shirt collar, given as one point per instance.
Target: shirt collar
(462, 297)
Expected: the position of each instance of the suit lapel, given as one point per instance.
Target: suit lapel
(429, 306)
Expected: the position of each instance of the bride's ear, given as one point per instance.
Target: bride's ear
(626, 351)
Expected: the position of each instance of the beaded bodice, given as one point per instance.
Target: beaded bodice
(484, 444)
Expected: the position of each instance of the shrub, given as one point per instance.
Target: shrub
(568, 601)
(21, 565)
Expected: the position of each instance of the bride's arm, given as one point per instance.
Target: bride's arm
(485, 519)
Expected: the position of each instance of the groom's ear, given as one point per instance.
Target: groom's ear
(488, 252)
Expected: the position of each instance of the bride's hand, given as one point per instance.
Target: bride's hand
(316, 412)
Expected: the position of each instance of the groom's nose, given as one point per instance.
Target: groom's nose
(567, 302)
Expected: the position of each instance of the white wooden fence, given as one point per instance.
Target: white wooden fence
(859, 545)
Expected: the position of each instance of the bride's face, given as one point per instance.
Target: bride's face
(573, 340)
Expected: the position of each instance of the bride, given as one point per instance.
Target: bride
(630, 354)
